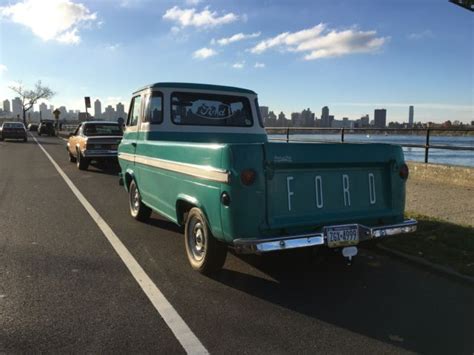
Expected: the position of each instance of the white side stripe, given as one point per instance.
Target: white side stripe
(180, 329)
(200, 171)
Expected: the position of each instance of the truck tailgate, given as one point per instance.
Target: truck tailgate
(323, 184)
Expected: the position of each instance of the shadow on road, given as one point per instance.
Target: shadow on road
(375, 296)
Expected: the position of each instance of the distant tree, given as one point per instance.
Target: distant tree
(30, 97)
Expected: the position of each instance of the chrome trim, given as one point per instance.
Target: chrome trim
(99, 153)
(200, 171)
(258, 246)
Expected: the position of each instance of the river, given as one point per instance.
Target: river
(438, 156)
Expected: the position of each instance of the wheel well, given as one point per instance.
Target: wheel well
(128, 180)
(182, 209)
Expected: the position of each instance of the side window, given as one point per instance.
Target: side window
(154, 111)
(134, 111)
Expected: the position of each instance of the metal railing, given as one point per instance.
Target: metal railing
(343, 131)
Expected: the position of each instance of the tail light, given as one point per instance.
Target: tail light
(247, 177)
(404, 171)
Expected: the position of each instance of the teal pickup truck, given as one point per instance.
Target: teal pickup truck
(199, 156)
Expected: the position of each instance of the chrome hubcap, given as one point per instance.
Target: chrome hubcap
(197, 240)
(135, 199)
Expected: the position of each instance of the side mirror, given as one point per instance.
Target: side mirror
(70, 134)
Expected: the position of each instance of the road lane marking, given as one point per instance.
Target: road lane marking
(180, 329)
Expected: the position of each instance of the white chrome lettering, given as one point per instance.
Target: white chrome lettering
(318, 184)
(372, 196)
(345, 190)
(290, 193)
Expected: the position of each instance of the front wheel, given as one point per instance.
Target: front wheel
(138, 209)
(205, 253)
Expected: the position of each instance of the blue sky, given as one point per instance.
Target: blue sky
(353, 56)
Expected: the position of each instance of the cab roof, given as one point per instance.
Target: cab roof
(195, 86)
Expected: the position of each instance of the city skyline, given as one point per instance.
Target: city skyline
(351, 57)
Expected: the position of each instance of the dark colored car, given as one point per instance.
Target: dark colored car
(46, 127)
(13, 130)
(33, 127)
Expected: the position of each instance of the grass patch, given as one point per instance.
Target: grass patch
(439, 242)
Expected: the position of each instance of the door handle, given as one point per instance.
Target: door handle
(134, 144)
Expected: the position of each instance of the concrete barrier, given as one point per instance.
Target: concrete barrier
(445, 174)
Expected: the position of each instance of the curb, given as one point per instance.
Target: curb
(421, 261)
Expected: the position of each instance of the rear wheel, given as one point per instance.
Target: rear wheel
(138, 209)
(81, 162)
(72, 158)
(205, 253)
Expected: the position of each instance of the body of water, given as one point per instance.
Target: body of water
(437, 156)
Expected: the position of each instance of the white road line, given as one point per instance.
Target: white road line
(180, 329)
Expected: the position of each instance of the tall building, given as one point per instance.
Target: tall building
(6, 106)
(364, 121)
(326, 119)
(97, 108)
(17, 107)
(282, 121)
(120, 111)
(308, 118)
(296, 119)
(264, 113)
(411, 113)
(109, 113)
(380, 118)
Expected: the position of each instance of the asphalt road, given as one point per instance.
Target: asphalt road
(63, 287)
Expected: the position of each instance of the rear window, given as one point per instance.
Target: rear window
(97, 129)
(13, 125)
(210, 110)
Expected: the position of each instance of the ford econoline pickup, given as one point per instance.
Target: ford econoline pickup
(199, 156)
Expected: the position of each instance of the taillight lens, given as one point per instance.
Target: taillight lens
(247, 177)
(404, 171)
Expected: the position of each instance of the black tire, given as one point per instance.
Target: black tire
(138, 209)
(72, 158)
(81, 162)
(205, 253)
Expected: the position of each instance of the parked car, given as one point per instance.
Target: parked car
(199, 155)
(13, 130)
(33, 127)
(94, 140)
(46, 127)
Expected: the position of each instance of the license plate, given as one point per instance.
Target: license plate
(341, 236)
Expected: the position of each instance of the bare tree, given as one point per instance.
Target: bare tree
(30, 97)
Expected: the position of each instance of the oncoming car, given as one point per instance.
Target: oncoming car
(13, 130)
(94, 140)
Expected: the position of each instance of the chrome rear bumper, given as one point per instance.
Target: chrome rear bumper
(99, 153)
(257, 246)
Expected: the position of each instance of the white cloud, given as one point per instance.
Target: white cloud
(203, 19)
(50, 19)
(238, 65)
(204, 53)
(193, 2)
(113, 47)
(320, 42)
(3, 68)
(421, 35)
(259, 65)
(235, 38)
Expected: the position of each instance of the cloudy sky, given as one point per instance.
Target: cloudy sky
(351, 55)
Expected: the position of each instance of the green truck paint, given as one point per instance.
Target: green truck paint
(254, 194)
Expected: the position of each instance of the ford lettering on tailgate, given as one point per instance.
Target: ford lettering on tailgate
(310, 193)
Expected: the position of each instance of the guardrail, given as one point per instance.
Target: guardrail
(343, 131)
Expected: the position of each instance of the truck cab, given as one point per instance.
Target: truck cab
(199, 155)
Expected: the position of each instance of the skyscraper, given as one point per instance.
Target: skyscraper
(6, 106)
(97, 108)
(17, 107)
(120, 111)
(380, 118)
(325, 122)
(411, 113)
